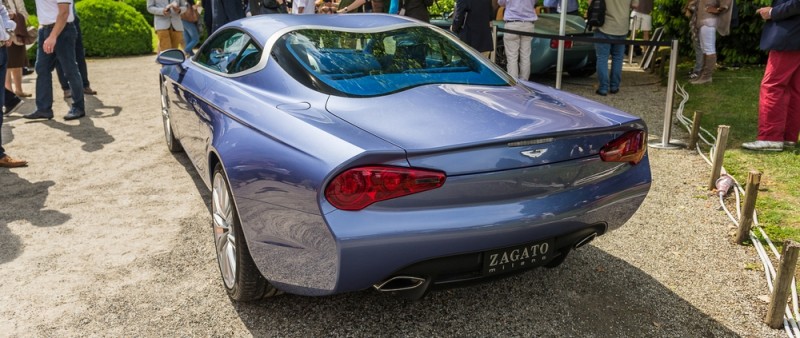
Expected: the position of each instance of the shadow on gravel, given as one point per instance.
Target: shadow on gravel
(592, 294)
(204, 192)
(23, 200)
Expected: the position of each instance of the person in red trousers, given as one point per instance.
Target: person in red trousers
(779, 99)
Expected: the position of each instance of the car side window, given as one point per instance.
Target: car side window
(230, 52)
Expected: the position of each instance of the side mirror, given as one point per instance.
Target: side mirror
(171, 57)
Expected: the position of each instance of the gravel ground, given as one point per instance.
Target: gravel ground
(107, 234)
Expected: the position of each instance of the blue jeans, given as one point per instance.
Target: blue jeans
(617, 52)
(3, 65)
(64, 53)
(80, 57)
(191, 36)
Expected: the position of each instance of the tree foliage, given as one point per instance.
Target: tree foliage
(740, 47)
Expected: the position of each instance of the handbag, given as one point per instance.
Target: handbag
(596, 14)
(190, 15)
(22, 35)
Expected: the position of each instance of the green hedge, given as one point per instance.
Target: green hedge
(740, 47)
(112, 28)
(141, 7)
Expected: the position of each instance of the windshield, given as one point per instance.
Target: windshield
(372, 64)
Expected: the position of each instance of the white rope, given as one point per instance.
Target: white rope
(792, 312)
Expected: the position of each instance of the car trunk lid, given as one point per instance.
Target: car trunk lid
(467, 129)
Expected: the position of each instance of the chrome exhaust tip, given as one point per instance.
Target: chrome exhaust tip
(585, 240)
(400, 283)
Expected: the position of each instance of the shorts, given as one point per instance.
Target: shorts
(641, 21)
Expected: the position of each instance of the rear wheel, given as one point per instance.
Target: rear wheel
(172, 143)
(241, 277)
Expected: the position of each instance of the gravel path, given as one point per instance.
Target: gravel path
(107, 234)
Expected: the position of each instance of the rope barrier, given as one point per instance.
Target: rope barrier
(585, 37)
(792, 314)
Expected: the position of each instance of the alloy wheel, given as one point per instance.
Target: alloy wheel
(222, 222)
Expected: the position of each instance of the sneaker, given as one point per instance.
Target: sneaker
(8, 162)
(764, 145)
(789, 144)
(693, 75)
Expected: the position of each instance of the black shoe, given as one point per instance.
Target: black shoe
(74, 114)
(27, 71)
(598, 92)
(12, 107)
(39, 115)
(614, 91)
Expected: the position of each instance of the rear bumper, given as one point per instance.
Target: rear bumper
(443, 234)
(378, 243)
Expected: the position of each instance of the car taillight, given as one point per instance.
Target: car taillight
(554, 44)
(357, 188)
(629, 148)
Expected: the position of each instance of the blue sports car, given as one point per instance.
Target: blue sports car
(346, 152)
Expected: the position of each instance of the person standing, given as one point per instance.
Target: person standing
(550, 6)
(167, 22)
(472, 21)
(57, 36)
(616, 27)
(712, 16)
(572, 7)
(642, 21)
(224, 11)
(779, 98)
(351, 6)
(520, 16)
(191, 33)
(418, 9)
(258, 7)
(80, 58)
(17, 54)
(303, 7)
(5, 41)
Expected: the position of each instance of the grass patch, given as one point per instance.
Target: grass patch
(732, 99)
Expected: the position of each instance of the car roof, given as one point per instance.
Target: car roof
(262, 27)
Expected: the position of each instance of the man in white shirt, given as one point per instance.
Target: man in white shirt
(303, 6)
(57, 35)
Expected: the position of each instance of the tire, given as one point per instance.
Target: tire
(172, 143)
(240, 276)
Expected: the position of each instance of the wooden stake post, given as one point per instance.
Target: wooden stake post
(694, 136)
(750, 195)
(719, 155)
(783, 283)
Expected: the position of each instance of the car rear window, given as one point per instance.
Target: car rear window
(378, 63)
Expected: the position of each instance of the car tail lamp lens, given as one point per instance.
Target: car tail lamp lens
(554, 44)
(629, 148)
(357, 188)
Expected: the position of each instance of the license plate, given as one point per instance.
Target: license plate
(517, 257)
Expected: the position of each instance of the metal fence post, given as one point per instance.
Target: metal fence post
(666, 143)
